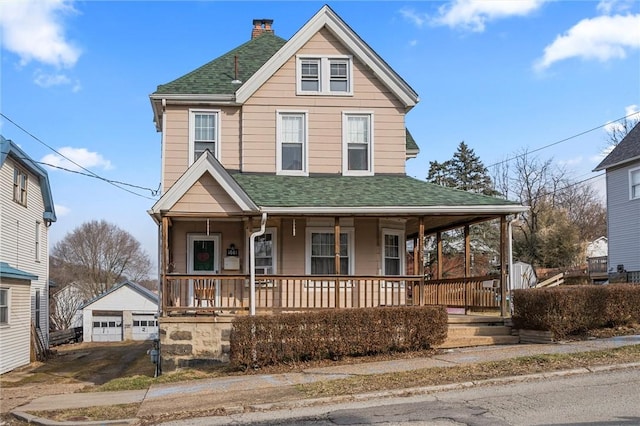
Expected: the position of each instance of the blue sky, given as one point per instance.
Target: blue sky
(502, 76)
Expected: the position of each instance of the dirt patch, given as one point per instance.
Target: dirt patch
(74, 367)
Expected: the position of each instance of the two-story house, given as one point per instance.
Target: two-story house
(622, 167)
(26, 212)
(284, 187)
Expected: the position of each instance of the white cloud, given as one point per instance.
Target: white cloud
(413, 43)
(61, 210)
(474, 14)
(417, 19)
(631, 113)
(33, 29)
(607, 7)
(47, 80)
(601, 38)
(80, 156)
(571, 161)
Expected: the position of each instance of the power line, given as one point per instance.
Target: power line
(562, 140)
(89, 173)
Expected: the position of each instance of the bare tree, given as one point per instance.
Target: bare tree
(97, 255)
(618, 130)
(64, 305)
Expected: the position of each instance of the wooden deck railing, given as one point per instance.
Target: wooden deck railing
(206, 294)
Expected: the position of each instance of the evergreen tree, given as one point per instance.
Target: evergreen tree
(464, 171)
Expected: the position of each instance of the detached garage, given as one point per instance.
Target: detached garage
(126, 312)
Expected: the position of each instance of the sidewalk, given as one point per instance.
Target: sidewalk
(232, 394)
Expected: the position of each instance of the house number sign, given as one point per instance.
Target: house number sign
(232, 250)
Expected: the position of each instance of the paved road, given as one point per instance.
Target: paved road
(605, 398)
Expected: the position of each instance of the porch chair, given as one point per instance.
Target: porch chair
(204, 290)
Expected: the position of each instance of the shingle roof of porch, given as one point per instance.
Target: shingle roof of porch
(356, 191)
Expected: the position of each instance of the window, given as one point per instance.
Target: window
(324, 75)
(4, 306)
(393, 252)
(292, 143)
(357, 145)
(321, 251)
(37, 247)
(20, 181)
(37, 310)
(204, 134)
(634, 184)
(265, 253)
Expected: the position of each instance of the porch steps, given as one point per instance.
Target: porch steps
(466, 331)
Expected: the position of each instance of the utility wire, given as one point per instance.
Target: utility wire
(562, 140)
(88, 173)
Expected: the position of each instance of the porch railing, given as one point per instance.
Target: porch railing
(206, 294)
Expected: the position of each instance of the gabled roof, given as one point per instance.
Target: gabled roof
(626, 151)
(259, 58)
(411, 146)
(328, 19)
(144, 292)
(388, 194)
(206, 163)
(7, 271)
(9, 149)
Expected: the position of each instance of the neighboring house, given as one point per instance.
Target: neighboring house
(622, 168)
(65, 306)
(269, 152)
(125, 312)
(26, 212)
(596, 252)
(524, 276)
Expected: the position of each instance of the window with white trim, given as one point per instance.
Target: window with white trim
(634, 184)
(324, 75)
(37, 245)
(292, 142)
(4, 306)
(321, 251)
(265, 252)
(393, 252)
(357, 144)
(37, 309)
(20, 181)
(204, 133)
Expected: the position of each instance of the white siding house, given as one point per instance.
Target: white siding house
(126, 312)
(622, 168)
(26, 212)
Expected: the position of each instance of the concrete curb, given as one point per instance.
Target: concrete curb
(406, 392)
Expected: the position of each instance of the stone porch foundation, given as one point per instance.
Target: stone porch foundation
(194, 341)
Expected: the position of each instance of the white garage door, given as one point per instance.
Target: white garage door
(107, 328)
(145, 327)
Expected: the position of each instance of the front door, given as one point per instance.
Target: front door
(204, 259)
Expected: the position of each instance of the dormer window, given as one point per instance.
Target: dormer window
(324, 75)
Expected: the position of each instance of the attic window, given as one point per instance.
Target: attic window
(324, 75)
(20, 180)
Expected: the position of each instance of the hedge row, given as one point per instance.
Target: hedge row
(576, 309)
(271, 339)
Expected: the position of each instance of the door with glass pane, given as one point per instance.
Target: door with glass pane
(203, 254)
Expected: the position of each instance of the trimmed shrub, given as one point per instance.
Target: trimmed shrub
(573, 310)
(331, 334)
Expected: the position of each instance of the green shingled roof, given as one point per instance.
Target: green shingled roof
(411, 143)
(355, 191)
(215, 77)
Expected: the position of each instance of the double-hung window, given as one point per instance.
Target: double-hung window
(292, 142)
(321, 251)
(357, 143)
(4, 306)
(204, 133)
(634, 184)
(324, 75)
(393, 252)
(265, 252)
(20, 181)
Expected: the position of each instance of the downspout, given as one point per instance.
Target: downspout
(252, 264)
(511, 278)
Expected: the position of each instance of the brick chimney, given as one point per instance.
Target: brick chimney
(261, 26)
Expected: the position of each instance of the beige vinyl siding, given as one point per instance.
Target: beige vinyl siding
(324, 117)
(292, 248)
(176, 149)
(15, 337)
(206, 196)
(18, 241)
(231, 232)
(367, 250)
